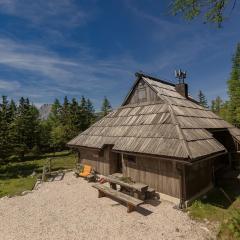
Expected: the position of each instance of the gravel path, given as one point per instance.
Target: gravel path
(69, 210)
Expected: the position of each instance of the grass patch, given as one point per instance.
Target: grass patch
(217, 207)
(16, 186)
(15, 176)
(230, 229)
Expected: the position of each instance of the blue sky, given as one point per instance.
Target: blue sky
(53, 48)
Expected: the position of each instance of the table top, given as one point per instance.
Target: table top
(136, 186)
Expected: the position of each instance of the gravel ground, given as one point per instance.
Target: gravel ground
(70, 209)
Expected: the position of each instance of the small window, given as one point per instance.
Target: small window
(130, 158)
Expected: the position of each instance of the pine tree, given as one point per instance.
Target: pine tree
(234, 89)
(58, 138)
(83, 103)
(26, 127)
(213, 106)
(75, 119)
(6, 118)
(55, 112)
(12, 115)
(90, 113)
(202, 99)
(12, 109)
(45, 140)
(224, 111)
(106, 107)
(65, 111)
(84, 114)
(217, 105)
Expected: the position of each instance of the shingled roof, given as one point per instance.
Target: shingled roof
(174, 127)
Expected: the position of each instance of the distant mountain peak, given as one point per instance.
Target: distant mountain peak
(44, 111)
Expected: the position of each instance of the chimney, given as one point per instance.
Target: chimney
(181, 87)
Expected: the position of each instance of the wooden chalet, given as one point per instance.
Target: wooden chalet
(162, 137)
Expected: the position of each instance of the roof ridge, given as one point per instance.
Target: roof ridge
(140, 75)
(181, 134)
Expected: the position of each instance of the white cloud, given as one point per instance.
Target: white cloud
(53, 73)
(55, 12)
(44, 74)
(9, 86)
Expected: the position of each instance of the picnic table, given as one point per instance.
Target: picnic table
(138, 190)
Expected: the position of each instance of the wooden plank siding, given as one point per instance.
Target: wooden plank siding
(99, 160)
(142, 93)
(156, 173)
(198, 177)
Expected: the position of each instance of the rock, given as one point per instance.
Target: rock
(25, 192)
(5, 197)
(204, 228)
(33, 174)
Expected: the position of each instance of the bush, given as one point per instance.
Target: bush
(231, 229)
(35, 151)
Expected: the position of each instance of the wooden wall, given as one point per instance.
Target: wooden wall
(157, 173)
(198, 177)
(98, 159)
(142, 93)
(236, 160)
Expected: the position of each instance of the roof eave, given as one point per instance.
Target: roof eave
(208, 156)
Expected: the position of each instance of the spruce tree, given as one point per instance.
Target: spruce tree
(12, 115)
(26, 127)
(84, 114)
(90, 113)
(106, 107)
(202, 99)
(75, 119)
(234, 89)
(217, 105)
(55, 115)
(213, 106)
(6, 118)
(45, 140)
(224, 111)
(65, 111)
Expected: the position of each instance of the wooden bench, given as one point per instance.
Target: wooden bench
(131, 202)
